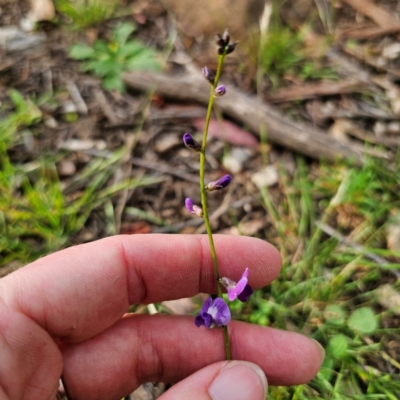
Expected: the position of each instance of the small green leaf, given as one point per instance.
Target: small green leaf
(114, 82)
(337, 346)
(107, 67)
(363, 320)
(81, 52)
(123, 31)
(130, 49)
(146, 60)
(101, 47)
(335, 314)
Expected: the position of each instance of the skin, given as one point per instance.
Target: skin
(66, 314)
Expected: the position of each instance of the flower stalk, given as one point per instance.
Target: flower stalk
(203, 195)
(215, 311)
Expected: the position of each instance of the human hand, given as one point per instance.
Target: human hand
(64, 314)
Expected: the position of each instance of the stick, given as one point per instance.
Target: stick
(245, 108)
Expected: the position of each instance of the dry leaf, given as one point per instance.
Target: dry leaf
(388, 298)
(41, 10)
(340, 128)
(393, 233)
(132, 228)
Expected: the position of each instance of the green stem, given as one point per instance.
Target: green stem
(204, 196)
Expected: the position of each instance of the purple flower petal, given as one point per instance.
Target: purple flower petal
(213, 312)
(206, 305)
(246, 293)
(235, 290)
(192, 208)
(199, 321)
(239, 287)
(189, 205)
(223, 314)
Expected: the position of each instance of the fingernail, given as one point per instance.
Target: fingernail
(239, 380)
(321, 349)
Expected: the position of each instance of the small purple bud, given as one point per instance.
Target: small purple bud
(226, 37)
(213, 313)
(219, 91)
(221, 183)
(219, 40)
(208, 74)
(230, 49)
(192, 208)
(191, 143)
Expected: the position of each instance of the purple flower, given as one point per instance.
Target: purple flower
(221, 183)
(213, 313)
(241, 290)
(208, 74)
(190, 142)
(219, 91)
(192, 208)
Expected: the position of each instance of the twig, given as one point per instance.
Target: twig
(77, 98)
(312, 90)
(105, 106)
(380, 16)
(281, 130)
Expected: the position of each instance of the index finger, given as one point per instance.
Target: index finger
(78, 292)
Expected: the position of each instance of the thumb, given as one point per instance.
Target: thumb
(226, 380)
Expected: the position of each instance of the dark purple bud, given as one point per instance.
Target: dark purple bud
(219, 91)
(219, 40)
(192, 208)
(230, 49)
(191, 143)
(213, 313)
(226, 37)
(221, 183)
(209, 75)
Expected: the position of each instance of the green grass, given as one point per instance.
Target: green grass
(86, 13)
(283, 54)
(326, 289)
(38, 215)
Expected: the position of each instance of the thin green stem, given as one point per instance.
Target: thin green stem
(204, 195)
